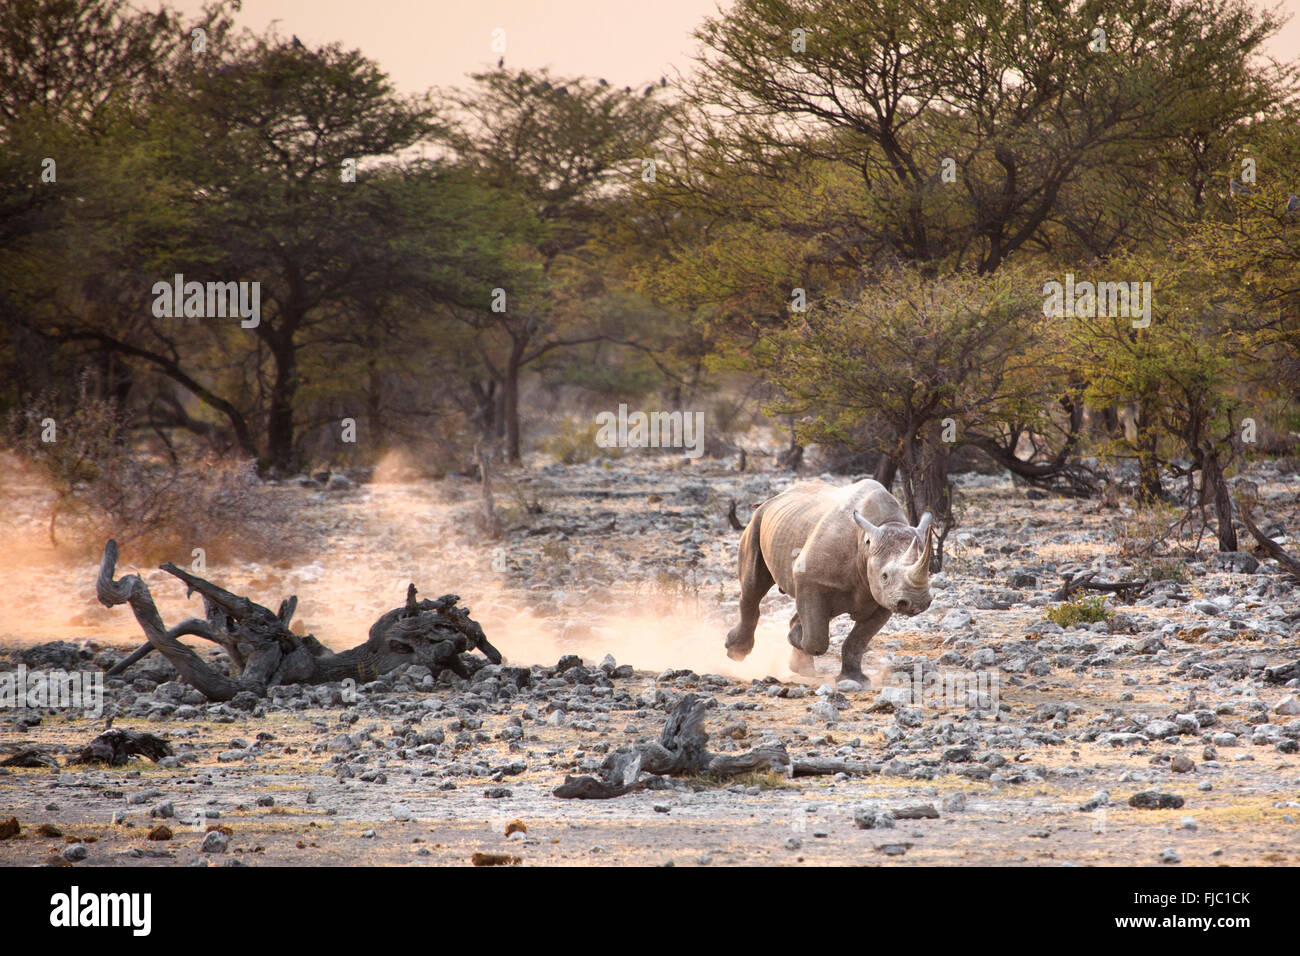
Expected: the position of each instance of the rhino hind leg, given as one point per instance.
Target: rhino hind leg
(755, 581)
(803, 664)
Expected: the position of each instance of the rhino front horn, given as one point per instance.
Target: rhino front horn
(872, 530)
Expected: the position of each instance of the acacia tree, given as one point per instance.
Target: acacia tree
(940, 361)
(564, 147)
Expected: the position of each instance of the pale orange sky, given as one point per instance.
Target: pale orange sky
(425, 44)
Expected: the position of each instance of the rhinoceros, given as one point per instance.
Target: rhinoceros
(847, 550)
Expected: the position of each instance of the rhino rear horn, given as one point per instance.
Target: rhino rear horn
(923, 526)
(872, 530)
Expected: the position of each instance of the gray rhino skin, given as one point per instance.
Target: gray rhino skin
(846, 550)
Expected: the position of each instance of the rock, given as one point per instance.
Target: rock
(865, 819)
(160, 832)
(954, 803)
(921, 811)
(1154, 800)
(1288, 706)
(848, 686)
(215, 842)
(75, 851)
(793, 843)
(1098, 799)
(1167, 855)
(1159, 729)
(1188, 823)
(1181, 763)
(825, 712)
(956, 619)
(893, 697)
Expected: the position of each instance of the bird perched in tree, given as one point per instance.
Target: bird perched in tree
(501, 61)
(297, 44)
(604, 82)
(649, 90)
(1292, 203)
(627, 89)
(1238, 189)
(663, 81)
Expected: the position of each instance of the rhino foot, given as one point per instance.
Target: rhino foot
(802, 663)
(737, 648)
(853, 674)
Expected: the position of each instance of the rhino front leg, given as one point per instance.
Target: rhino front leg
(815, 622)
(855, 645)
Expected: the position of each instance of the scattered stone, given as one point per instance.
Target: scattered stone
(865, 819)
(1154, 800)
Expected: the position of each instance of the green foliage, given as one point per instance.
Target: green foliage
(574, 442)
(1084, 609)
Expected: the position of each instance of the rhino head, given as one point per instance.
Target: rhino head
(897, 563)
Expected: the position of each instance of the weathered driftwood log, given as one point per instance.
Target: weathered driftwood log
(1271, 548)
(265, 652)
(1127, 590)
(682, 750)
(30, 757)
(113, 747)
(828, 766)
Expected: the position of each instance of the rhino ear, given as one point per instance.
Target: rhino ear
(923, 526)
(872, 530)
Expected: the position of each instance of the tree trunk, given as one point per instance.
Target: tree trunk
(280, 453)
(886, 470)
(1149, 488)
(510, 400)
(1213, 483)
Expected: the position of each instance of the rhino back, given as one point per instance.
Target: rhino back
(812, 525)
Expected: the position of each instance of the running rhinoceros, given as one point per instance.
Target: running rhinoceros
(838, 551)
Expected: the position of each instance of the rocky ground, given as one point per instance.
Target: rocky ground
(1168, 734)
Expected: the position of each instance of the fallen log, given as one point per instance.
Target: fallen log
(29, 758)
(1127, 590)
(265, 652)
(829, 766)
(114, 747)
(682, 750)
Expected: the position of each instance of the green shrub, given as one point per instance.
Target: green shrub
(1084, 609)
(575, 443)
